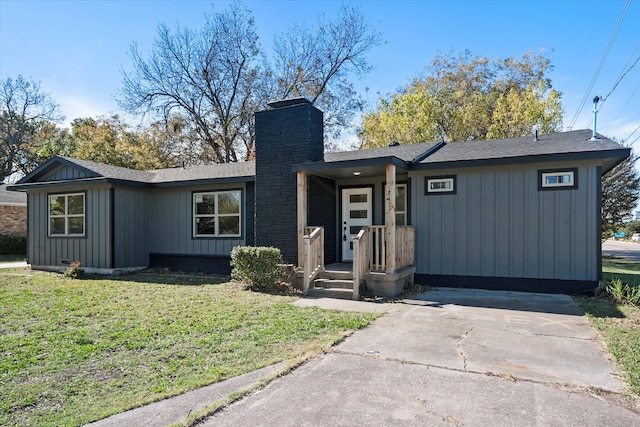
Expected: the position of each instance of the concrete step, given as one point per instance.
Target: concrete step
(333, 283)
(339, 293)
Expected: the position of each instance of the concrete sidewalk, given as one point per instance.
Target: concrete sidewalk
(14, 264)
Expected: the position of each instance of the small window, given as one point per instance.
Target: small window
(66, 215)
(440, 185)
(217, 214)
(401, 204)
(558, 179)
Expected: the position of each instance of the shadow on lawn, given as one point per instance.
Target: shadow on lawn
(164, 278)
(186, 279)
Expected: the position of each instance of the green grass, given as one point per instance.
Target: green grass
(74, 351)
(626, 270)
(618, 323)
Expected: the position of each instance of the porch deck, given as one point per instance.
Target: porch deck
(339, 266)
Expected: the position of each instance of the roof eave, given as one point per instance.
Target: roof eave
(74, 182)
(205, 181)
(620, 154)
(56, 159)
(349, 164)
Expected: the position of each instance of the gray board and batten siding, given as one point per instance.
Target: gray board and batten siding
(497, 229)
(500, 226)
(169, 224)
(93, 249)
(130, 224)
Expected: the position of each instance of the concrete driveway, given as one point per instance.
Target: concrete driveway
(452, 357)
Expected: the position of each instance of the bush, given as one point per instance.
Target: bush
(623, 292)
(13, 245)
(74, 271)
(258, 266)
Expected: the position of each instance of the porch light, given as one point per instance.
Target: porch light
(357, 173)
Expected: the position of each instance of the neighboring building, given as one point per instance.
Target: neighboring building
(13, 212)
(518, 214)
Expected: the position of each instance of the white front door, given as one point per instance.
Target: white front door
(357, 209)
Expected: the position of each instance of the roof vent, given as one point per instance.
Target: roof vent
(595, 118)
(394, 144)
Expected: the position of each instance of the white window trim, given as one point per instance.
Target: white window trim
(216, 215)
(570, 173)
(66, 215)
(449, 179)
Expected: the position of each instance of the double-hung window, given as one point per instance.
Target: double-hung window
(217, 214)
(66, 215)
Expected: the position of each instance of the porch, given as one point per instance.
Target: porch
(382, 255)
(369, 273)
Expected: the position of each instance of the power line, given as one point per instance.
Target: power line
(621, 109)
(624, 73)
(604, 57)
(634, 131)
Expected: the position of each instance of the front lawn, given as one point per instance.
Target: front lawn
(74, 351)
(618, 323)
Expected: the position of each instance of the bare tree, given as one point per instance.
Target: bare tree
(24, 111)
(208, 76)
(217, 77)
(317, 64)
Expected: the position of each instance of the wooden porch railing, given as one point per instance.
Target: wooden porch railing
(370, 249)
(361, 260)
(405, 244)
(313, 255)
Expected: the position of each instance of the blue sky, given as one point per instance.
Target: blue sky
(76, 49)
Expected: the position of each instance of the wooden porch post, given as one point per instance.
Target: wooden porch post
(390, 218)
(302, 214)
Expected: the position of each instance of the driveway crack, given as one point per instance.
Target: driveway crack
(460, 350)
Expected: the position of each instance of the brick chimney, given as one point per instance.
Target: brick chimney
(289, 132)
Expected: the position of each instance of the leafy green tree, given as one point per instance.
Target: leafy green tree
(620, 194)
(170, 142)
(49, 140)
(103, 140)
(110, 140)
(467, 97)
(25, 112)
(631, 227)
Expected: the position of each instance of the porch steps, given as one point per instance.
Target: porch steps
(333, 284)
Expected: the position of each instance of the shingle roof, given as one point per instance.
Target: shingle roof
(561, 143)
(575, 144)
(11, 197)
(109, 171)
(403, 152)
(193, 173)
